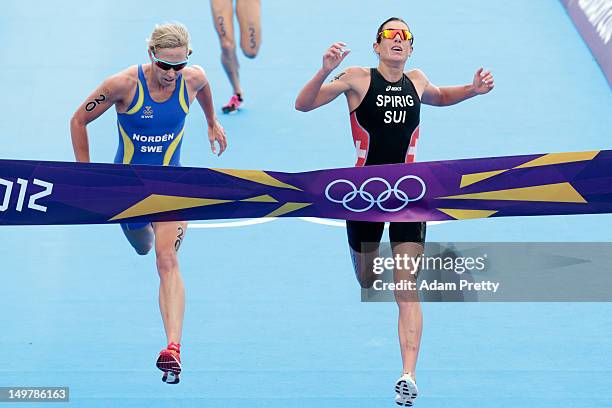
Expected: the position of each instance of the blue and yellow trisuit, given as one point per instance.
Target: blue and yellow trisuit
(152, 132)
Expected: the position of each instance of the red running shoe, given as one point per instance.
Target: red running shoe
(233, 104)
(169, 361)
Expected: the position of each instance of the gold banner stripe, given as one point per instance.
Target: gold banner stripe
(559, 158)
(287, 208)
(468, 179)
(554, 193)
(257, 176)
(160, 203)
(545, 160)
(261, 199)
(466, 214)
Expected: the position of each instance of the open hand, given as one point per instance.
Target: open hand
(483, 81)
(217, 133)
(334, 56)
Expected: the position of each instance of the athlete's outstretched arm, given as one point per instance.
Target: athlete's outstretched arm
(105, 96)
(450, 95)
(314, 93)
(204, 97)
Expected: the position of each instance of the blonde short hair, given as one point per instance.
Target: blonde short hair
(169, 35)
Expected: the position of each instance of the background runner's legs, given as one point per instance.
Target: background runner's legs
(248, 13)
(223, 19)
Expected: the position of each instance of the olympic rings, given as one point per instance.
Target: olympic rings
(380, 199)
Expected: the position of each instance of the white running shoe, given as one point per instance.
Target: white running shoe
(406, 390)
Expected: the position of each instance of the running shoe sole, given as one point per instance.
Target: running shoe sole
(170, 366)
(227, 110)
(406, 393)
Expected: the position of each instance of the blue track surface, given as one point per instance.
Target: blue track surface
(273, 313)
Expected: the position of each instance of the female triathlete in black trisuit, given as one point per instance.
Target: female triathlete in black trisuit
(385, 107)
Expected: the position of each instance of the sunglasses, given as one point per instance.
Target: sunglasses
(165, 65)
(391, 33)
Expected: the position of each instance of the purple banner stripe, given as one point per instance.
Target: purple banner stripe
(36, 192)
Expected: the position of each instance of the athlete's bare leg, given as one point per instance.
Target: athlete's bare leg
(248, 13)
(223, 15)
(363, 263)
(168, 239)
(410, 321)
